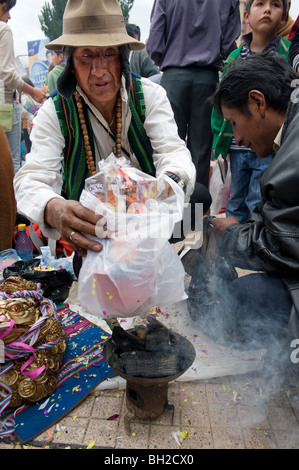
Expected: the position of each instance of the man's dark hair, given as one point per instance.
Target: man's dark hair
(285, 4)
(268, 73)
(8, 4)
(133, 30)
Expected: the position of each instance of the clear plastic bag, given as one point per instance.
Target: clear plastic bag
(7, 258)
(137, 268)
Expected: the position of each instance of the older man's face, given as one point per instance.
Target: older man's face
(98, 72)
(256, 130)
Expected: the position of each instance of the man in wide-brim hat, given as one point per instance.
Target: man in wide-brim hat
(90, 117)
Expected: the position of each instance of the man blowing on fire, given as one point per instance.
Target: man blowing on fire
(258, 96)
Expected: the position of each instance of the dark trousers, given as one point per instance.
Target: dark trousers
(253, 310)
(256, 314)
(257, 303)
(188, 89)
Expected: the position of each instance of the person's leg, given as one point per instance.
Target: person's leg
(200, 137)
(248, 311)
(188, 90)
(258, 167)
(176, 83)
(199, 204)
(27, 141)
(240, 178)
(14, 138)
(255, 308)
(201, 195)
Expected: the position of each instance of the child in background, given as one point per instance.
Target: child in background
(264, 17)
(54, 73)
(29, 110)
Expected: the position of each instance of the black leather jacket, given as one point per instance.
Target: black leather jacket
(294, 47)
(269, 241)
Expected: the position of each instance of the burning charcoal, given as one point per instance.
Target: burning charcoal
(157, 337)
(154, 324)
(158, 352)
(148, 372)
(141, 333)
(142, 364)
(125, 340)
(158, 341)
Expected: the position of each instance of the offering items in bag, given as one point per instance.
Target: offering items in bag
(137, 267)
(125, 188)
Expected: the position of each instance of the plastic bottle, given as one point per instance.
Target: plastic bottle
(23, 246)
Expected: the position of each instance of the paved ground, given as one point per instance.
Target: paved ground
(249, 411)
(259, 410)
(225, 413)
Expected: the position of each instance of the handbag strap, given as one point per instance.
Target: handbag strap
(38, 243)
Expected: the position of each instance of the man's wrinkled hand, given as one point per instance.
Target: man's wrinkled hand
(74, 221)
(166, 192)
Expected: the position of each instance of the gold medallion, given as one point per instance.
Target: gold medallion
(10, 377)
(26, 388)
(61, 346)
(42, 378)
(38, 395)
(51, 384)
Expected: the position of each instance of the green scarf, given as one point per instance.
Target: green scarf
(75, 169)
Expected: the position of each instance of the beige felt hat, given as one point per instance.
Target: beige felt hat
(97, 23)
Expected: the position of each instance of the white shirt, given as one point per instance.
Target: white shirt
(277, 140)
(9, 79)
(40, 179)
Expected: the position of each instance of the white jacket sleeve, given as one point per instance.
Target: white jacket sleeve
(8, 76)
(40, 179)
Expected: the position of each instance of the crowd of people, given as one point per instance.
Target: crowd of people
(160, 117)
(246, 168)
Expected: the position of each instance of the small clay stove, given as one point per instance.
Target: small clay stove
(148, 357)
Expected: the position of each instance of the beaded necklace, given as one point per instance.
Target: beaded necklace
(88, 150)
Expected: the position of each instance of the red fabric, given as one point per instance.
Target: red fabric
(61, 244)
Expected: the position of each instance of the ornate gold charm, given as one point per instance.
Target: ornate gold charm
(25, 312)
(26, 388)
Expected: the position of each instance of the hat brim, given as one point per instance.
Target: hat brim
(94, 40)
